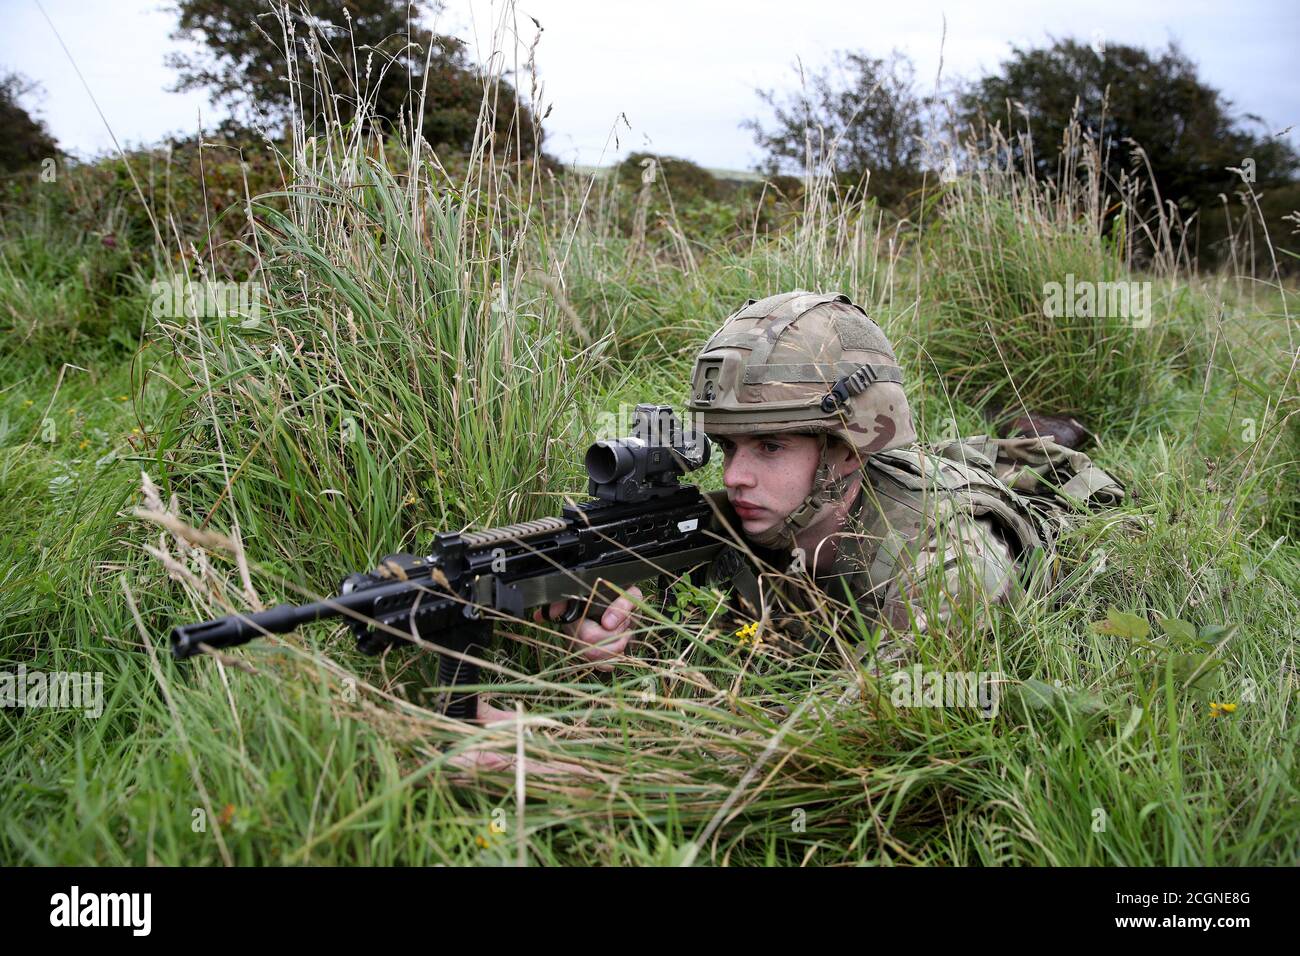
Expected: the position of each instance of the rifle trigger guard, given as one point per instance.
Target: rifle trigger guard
(572, 611)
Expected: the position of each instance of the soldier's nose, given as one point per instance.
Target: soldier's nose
(733, 476)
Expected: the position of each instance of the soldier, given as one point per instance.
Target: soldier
(823, 481)
(837, 517)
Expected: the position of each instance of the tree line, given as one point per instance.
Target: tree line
(859, 117)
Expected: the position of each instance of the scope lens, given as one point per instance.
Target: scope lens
(608, 461)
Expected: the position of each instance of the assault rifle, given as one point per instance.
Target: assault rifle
(639, 523)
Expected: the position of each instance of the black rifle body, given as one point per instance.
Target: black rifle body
(451, 596)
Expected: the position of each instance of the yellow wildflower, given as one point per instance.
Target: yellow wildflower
(1218, 710)
(482, 841)
(28, 403)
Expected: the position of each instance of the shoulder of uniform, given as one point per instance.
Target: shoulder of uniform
(911, 467)
(962, 473)
(940, 485)
(903, 478)
(922, 468)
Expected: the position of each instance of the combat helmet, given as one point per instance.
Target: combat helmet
(807, 363)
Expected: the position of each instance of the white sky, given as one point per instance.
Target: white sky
(683, 71)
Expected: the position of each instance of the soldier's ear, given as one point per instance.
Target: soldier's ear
(843, 458)
(847, 468)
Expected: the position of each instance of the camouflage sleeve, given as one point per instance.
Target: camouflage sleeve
(950, 578)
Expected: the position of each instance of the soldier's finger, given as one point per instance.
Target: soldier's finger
(602, 655)
(620, 612)
(601, 644)
(476, 759)
(552, 611)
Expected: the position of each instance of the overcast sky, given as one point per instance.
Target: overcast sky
(682, 71)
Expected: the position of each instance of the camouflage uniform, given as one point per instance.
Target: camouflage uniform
(933, 533)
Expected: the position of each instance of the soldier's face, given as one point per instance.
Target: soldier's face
(768, 476)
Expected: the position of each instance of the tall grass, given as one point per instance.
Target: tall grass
(990, 331)
(65, 291)
(432, 348)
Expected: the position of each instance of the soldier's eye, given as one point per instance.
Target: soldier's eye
(771, 447)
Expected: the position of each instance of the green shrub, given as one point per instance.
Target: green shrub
(993, 266)
(398, 379)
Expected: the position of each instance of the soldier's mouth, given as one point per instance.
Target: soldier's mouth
(748, 511)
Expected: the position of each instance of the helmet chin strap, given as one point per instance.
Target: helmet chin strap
(826, 493)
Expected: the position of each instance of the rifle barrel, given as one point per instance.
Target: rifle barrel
(235, 629)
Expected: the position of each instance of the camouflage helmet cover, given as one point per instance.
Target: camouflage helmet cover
(802, 362)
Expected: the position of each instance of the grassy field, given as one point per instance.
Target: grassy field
(433, 350)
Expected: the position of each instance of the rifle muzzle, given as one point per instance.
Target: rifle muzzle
(234, 629)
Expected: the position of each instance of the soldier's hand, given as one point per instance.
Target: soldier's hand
(606, 639)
